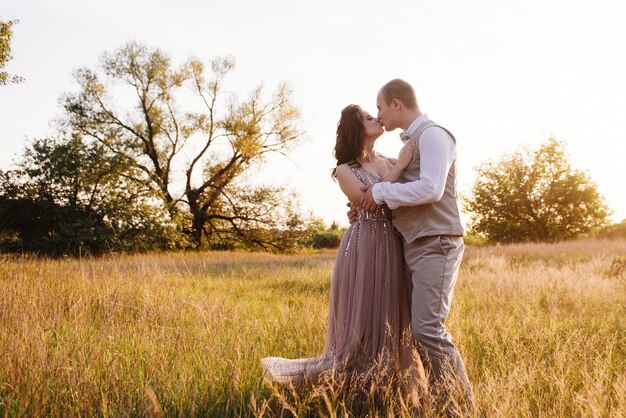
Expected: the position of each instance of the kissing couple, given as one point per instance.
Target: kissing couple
(398, 262)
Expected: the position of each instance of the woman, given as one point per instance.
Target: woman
(369, 313)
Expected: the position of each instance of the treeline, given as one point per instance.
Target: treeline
(613, 231)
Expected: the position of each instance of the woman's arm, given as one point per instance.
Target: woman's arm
(404, 159)
(349, 183)
(394, 174)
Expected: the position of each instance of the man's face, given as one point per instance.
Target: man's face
(385, 113)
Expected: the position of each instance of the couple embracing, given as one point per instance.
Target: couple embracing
(398, 262)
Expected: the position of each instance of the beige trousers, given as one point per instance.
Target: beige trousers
(433, 263)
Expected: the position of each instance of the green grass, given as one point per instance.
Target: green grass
(542, 329)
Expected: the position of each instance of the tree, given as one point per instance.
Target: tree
(535, 197)
(6, 33)
(220, 144)
(613, 231)
(66, 197)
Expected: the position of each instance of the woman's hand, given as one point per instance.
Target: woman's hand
(404, 159)
(406, 154)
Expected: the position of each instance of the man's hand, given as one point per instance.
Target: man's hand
(367, 201)
(352, 214)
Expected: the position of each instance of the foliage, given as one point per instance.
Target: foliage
(263, 217)
(474, 239)
(216, 141)
(67, 196)
(535, 197)
(613, 231)
(6, 34)
(330, 238)
(322, 236)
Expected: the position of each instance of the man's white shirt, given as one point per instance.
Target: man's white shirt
(437, 151)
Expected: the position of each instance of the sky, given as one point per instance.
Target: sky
(499, 75)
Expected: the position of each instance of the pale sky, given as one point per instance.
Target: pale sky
(499, 74)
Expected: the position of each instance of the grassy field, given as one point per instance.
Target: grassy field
(542, 329)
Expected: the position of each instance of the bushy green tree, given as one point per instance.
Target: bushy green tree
(535, 196)
(66, 196)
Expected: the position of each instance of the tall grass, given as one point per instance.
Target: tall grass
(542, 329)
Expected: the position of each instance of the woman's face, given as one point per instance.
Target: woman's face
(373, 127)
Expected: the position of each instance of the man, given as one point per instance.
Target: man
(425, 211)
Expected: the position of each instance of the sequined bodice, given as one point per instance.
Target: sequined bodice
(382, 212)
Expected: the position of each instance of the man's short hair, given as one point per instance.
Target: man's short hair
(401, 90)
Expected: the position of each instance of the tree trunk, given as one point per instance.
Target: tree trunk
(198, 218)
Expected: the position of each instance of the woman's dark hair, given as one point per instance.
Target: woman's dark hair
(350, 136)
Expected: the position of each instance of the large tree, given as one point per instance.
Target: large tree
(6, 34)
(131, 105)
(535, 196)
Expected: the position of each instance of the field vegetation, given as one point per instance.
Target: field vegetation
(542, 328)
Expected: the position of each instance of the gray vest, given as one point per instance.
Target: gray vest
(439, 218)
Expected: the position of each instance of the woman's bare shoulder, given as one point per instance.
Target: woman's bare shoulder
(345, 171)
(344, 168)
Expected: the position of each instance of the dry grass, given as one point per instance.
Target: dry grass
(542, 329)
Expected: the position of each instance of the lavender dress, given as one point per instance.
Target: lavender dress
(369, 312)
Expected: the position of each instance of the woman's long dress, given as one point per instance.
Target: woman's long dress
(369, 312)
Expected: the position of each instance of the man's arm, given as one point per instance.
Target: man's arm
(437, 151)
